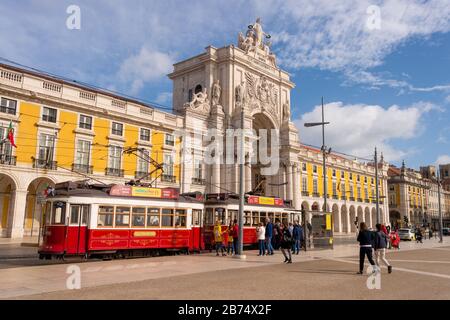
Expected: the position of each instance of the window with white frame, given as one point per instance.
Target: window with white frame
(169, 140)
(144, 135)
(144, 156)
(315, 186)
(334, 188)
(5, 147)
(83, 152)
(85, 122)
(117, 129)
(198, 169)
(303, 166)
(342, 174)
(168, 165)
(115, 157)
(314, 168)
(8, 106)
(343, 191)
(46, 147)
(304, 184)
(366, 193)
(49, 114)
(351, 192)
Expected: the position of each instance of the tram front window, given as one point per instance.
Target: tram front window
(180, 218)
(247, 218)
(255, 215)
(220, 215)
(48, 212)
(59, 212)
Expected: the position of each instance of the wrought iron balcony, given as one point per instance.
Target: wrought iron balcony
(316, 194)
(84, 168)
(360, 200)
(352, 198)
(199, 181)
(7, 159)
(114, 172)
(44, 164)
(335, 196)
(305, 193)
(141, 175)
(343, 197)
(168, 178)
(367, 201)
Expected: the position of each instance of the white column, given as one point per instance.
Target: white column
(18, 206)
(289, 182)
(297, 192)
(248, 177)
(338, 221)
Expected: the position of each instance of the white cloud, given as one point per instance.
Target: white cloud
(447, 99)
(443, 159)
(146, 66)
(164, 98)
(356, 129)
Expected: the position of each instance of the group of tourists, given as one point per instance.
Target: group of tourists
(370, 242)
(271, 236)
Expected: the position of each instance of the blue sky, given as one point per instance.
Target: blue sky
(386, 86)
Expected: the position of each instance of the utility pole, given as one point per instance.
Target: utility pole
(440, 209)
(324, 153)
(377, 195)
(240, 254)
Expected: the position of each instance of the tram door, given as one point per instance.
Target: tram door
(197, 230)
(77, 231)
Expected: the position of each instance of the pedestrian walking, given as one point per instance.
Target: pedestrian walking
(277, 233)
(235, 233)
(297, 235)
(380, 245)
(269, 235)
(261, 235)
(230, 246)
(418, 235)
(365, 240)
(218, 238)
(286, 243)
(430, 233)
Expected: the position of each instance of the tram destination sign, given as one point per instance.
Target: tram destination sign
(144, 192)
(265, 201)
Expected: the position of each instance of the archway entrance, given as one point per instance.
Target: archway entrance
(261, 150)
(7, 191)
(336, 218)
(34, 205)
(344, 219)
(367, 218)
(353, 219)
(394, 218)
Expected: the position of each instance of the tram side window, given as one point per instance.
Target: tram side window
(196, 214)
(232, 215)
(105, 216)
(247, 218)
(209, 217)
(59, 212)
(219, 215)
(263, 217)
(122, 216)
(48, 212)
(85, 213)
(166, 218)
(277, 217)
(180, 218)
(255, 219)
(138, 219)
(152, 217)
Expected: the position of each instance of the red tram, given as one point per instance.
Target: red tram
(121, 220)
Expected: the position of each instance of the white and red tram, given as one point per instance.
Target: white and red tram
(121, 220)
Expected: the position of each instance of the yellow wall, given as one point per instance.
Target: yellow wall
(99, 152)
(130, 160)
(65, 142)
(5, 208)
(26, 139)
(157, 152)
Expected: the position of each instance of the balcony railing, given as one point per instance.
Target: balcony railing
(335, 196)
(199, 181)
(141, 175)
(168, 178)
(84, 168)
(343, 197)
(367, 201)
(316, 194)
(114, 172)
(305, 193)
(352, 198)
(7, 159)
(44, 164)
(360, 200)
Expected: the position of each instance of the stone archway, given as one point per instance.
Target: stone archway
(33, 209)
(336, 218)
(345, 219)
(315, 206)
(360, 213)
(261, 146)
(368, 218)
(305, 207)
(374, 216)
(352, 219)
(7, 191)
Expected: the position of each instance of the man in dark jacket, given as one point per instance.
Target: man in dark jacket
(380, 245)
(365, 240)
(297, 233)
(269, 234)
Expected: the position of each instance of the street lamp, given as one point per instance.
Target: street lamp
(324, 153)
(440, 209)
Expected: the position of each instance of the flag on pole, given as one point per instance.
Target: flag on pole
(11, 134)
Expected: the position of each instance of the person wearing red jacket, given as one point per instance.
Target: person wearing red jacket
(235, 235)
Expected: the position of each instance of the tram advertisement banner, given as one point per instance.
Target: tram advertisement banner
(129, 191)
(265, 201)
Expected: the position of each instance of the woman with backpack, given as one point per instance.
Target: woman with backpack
(286, 243)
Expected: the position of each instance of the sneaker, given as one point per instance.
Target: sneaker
(217, 254)
(286, 260)
(289, 261)
(359, 272)
(389, 269)
(224, 254)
